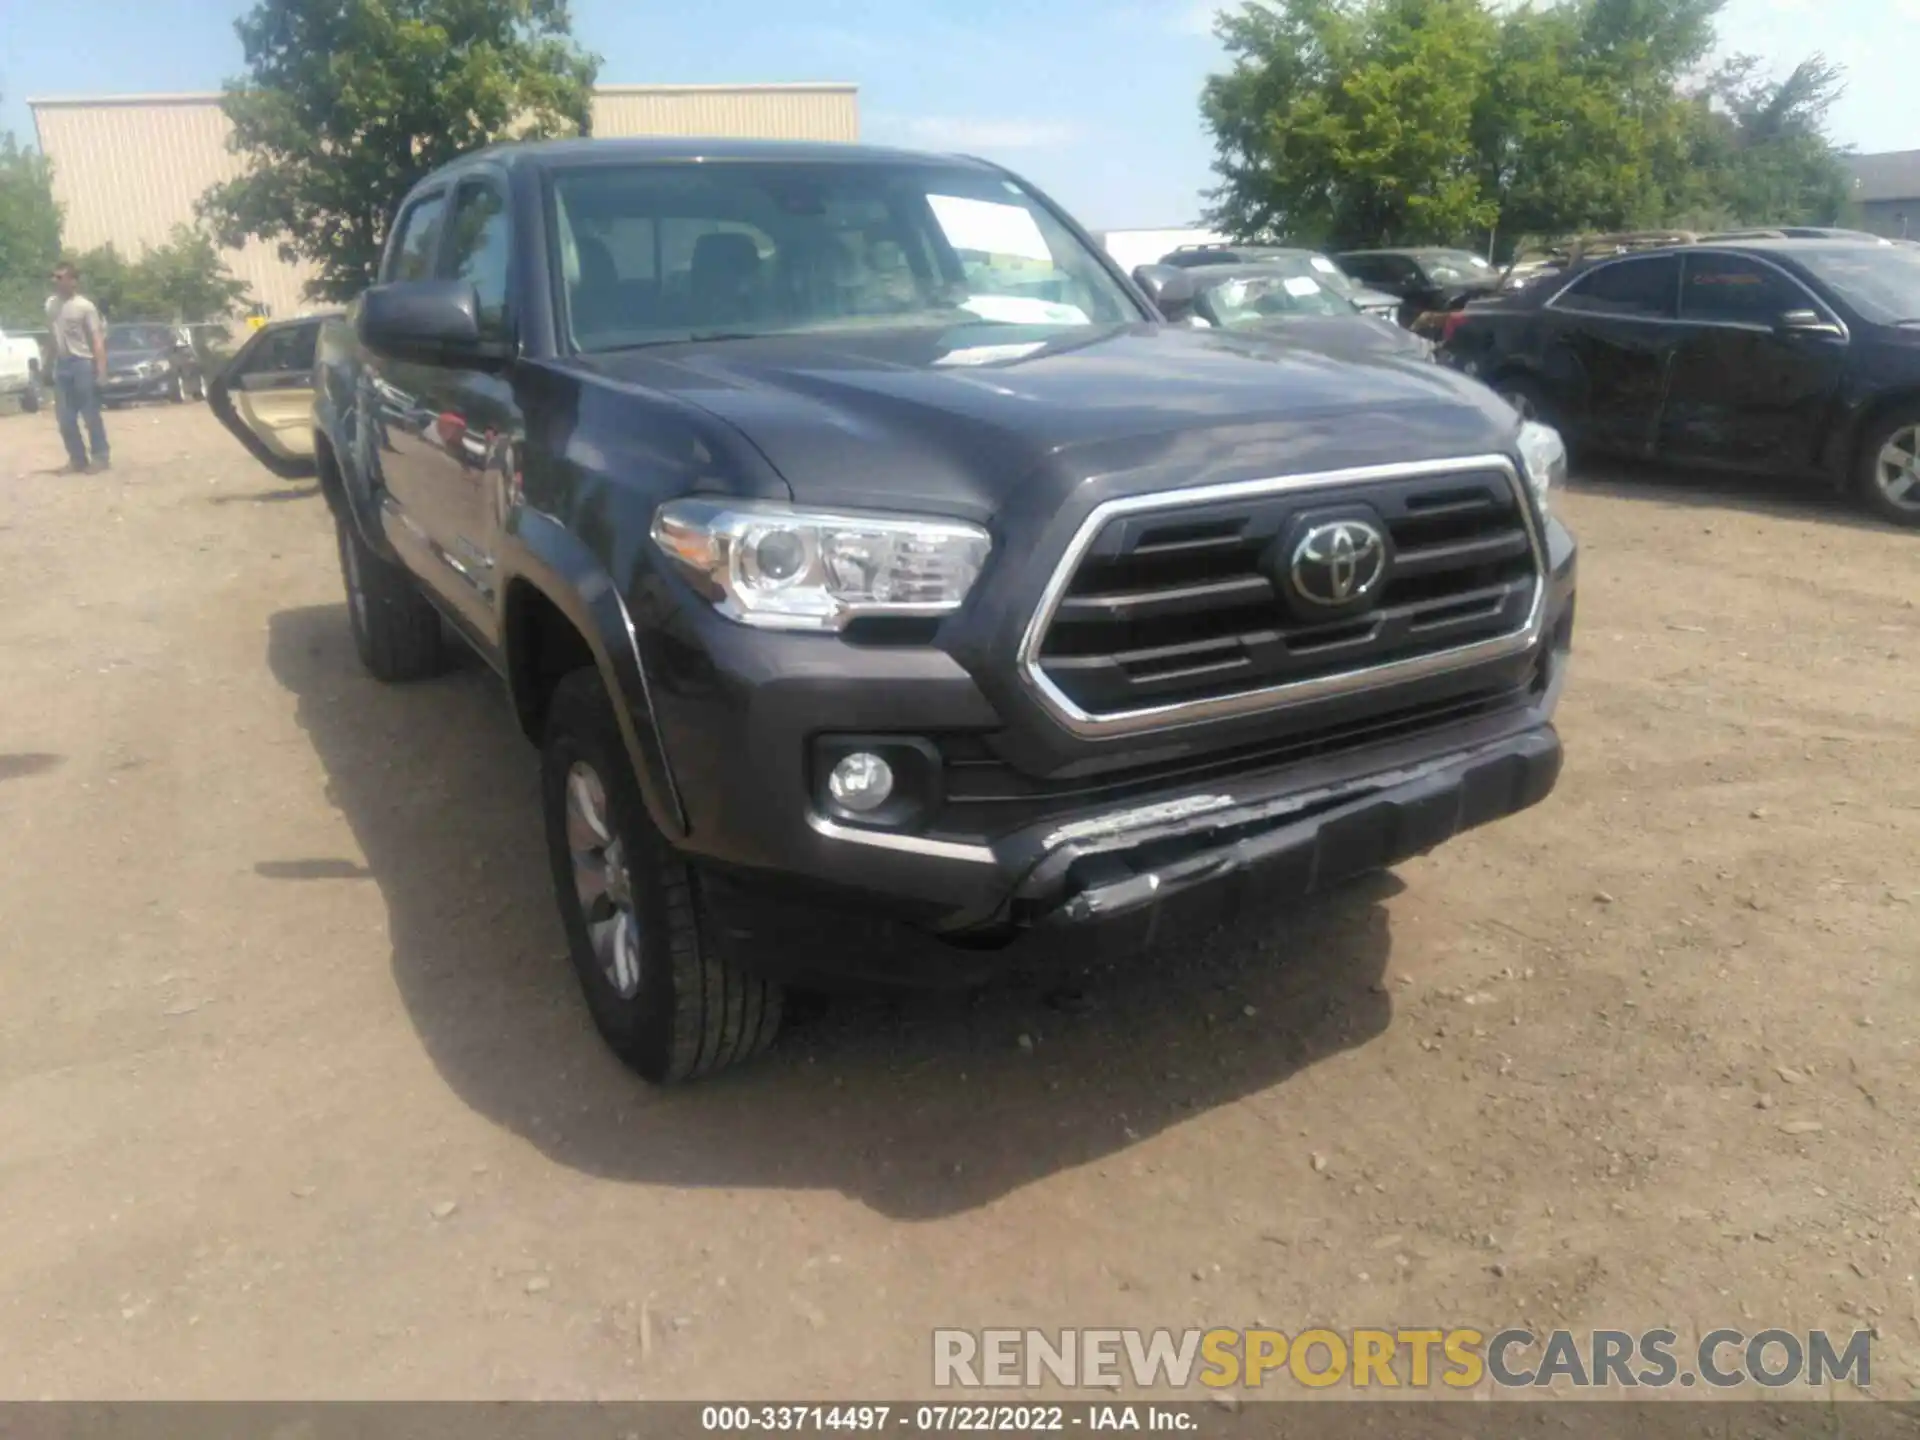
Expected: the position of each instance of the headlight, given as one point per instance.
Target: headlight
(786, 569)
(1543, 456)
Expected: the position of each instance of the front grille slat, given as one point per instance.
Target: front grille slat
(1180, 605)
(1167, 600)
(1459, 554)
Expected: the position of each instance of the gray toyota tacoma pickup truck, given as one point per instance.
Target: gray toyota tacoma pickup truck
(882, 579)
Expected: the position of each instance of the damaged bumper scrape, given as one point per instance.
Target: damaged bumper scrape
(1130, 864)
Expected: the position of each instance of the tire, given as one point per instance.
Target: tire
(665, 1001)
(395, 629)
(1887, 469)
(30, 397)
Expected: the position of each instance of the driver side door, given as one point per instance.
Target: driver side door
(1743, 389)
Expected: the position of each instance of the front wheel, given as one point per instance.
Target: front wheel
(663, 998)
(395, 628)
(30, 397)
(1888, 476)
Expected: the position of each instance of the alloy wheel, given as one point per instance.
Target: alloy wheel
(1896, 469)
(601, 881)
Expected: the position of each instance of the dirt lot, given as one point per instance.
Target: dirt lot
(297, 1097)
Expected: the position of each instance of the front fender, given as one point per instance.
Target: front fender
(539, 552)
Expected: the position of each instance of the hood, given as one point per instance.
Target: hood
(127, 359)
(1360, 337)
(970, 420)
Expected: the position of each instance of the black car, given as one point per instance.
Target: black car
(1425, 280)
(1786, 356)
(1367, 301)
(1287, 300)
(151, 362)
(882, 579)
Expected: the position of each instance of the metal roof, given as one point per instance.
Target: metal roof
(1889, 175)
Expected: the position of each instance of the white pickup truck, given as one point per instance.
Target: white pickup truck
(20, 370)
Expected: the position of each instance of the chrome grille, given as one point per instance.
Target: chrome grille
(1166, 610)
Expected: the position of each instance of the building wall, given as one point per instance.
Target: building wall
(763, 112)
(126, 170)
(1899, 219)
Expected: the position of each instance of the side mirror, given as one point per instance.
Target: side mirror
(1170, 288)
(1810, 323)
(436, 322)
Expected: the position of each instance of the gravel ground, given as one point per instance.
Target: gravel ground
(297, 1097)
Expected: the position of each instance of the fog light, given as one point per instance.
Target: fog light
(861, 782)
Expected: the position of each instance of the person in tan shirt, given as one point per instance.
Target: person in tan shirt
(79, 368)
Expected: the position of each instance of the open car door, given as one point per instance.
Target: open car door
(264, 395)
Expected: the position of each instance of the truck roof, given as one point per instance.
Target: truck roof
(629, 150)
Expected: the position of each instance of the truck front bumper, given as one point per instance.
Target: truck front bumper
(811, 898)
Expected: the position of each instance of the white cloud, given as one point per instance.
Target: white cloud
(968, 132)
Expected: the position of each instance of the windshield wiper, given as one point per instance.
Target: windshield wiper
(1910, 320)
(693, 337)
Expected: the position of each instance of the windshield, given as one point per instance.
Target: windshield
(1292, 287)
(1882, 282)
(653, 254)
(1332, 276)
(139, 337)
(1455, 267)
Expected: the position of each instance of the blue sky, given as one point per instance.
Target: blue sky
(1094, 100)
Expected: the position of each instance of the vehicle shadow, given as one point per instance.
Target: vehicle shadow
(1785, 496)
(268, 497)
(918, 1106)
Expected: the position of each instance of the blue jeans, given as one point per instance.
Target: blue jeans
(77, 398)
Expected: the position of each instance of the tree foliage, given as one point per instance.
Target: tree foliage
(184, 280)
(1381, 122)
(29, 233)
(346, 103)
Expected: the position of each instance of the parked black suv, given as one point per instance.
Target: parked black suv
(883, 579)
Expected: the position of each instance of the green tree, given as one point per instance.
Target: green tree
(1764, 144)
(1365, 122)
(1351, 123)
(346, 103)
(184, 280)
(29, 233)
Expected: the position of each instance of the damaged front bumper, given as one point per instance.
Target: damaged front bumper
(1223, 852)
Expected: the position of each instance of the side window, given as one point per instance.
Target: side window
(288, 349)
(1640, 288)
(478, 253)
(1727, 287)
(415, 240)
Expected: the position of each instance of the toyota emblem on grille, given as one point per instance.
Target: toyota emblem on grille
(1338, 562)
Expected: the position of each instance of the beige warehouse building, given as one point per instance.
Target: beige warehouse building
(127, 169)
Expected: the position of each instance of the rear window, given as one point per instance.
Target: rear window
(1644, 289)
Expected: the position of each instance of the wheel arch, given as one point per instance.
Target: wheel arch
(560, 611)
(1851, 455)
